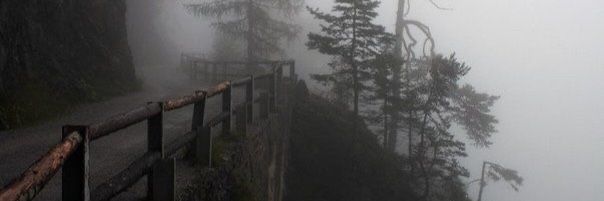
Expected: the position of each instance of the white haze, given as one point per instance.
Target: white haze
(543, 57)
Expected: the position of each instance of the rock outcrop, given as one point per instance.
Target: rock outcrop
(54, 53)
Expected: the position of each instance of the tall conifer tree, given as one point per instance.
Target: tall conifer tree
(251, 21)
(350, 35)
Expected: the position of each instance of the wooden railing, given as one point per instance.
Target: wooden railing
(72, 153)
(200, 68)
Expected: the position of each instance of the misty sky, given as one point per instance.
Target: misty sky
(543, 57)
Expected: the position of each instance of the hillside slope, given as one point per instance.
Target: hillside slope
(331, 161)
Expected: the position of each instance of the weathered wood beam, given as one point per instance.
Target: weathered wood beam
(29, 184)
(180, 102)
(217, 89)
(123, 120)
(126, 178)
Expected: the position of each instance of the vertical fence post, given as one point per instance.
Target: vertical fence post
(241, 119)
(279, 82)
(227, 107)
(249, 98)
(280, 75)
(216, 77)
(182, 62)
(292, 72)
(204, 146)
(76, 167)
(224, 71)
(163, 180)
(264, 99)
(197, 127)
(160, 181)
(271, 90)
(190, 63)
(206, 71)
(197, 65)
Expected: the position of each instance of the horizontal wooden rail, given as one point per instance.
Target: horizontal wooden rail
(263, 76)
(267, 62)
(242, 82)
(124, 120)
(218, 89)
(218, 119)
(31, 182)
(177, 103)
(179, 143)
(126, 178)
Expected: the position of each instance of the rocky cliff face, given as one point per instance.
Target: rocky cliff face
(54, 53)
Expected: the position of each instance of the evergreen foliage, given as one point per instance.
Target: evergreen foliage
(353, 39)
(252, 21)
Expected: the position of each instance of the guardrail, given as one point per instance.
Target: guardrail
(72, 153)
(199, 67)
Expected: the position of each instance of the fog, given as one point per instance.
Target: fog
(543, 57)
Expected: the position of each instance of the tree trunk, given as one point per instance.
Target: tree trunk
(396, 75)
(385, 112)
(482, 183)
(251, 47)
(355, 70)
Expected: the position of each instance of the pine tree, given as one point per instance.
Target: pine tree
(350, 35)
(251, 21)
(382, 79)
(438, 100)
(405, 47)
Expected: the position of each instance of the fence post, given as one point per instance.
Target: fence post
(206, 71)
(224, 71)
(76, 168)
(191, 64)
(197, 127)
(214, 73)
(264, 99)
(241, 119)
(227, 107)
(271, 90)
(279, 81)
(292, 72)
(163, 180)
(203, 149)
(158, 187)
(249, 98)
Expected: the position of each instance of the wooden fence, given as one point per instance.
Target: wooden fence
(212, 71)
(72, 153)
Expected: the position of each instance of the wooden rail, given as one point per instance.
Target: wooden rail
(72, 153)
(199, 67)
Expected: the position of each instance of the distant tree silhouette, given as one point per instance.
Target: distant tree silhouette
(438, 100)
(251, 21)
(497, 172)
